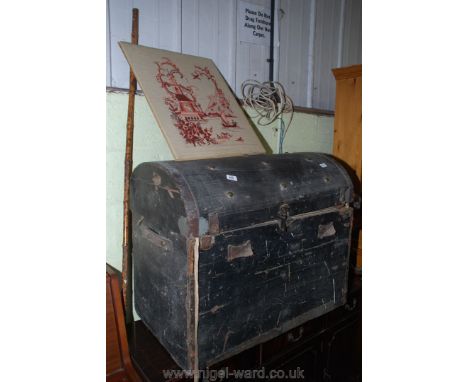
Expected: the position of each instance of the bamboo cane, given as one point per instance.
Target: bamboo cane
(127, 221)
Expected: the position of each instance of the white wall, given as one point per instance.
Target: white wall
(314, 37)
(296, 28)
(337, 43)
(352, 33)
(326, 55)
(159, 27)
(209, 30)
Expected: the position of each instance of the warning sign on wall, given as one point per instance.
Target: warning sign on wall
(254, 23)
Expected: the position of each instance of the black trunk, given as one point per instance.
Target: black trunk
(232, 252)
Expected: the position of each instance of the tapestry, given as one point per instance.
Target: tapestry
(192, 103)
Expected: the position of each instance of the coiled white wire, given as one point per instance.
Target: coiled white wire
(270, 102)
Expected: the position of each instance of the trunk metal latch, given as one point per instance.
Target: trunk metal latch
(283, 215)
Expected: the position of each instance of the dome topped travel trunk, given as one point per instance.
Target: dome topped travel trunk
(231, 252)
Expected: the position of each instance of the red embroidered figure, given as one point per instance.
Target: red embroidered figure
(218, 105)
(187, 113)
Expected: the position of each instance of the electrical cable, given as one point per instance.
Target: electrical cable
(270, 102)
